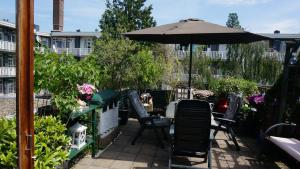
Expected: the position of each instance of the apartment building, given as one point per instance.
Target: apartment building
(7, 59)
(77, 43)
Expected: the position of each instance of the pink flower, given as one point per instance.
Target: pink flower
(86, 89)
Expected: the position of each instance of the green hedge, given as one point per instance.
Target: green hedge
(225, 86)
(51, 143)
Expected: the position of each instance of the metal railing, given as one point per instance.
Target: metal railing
(74, 51)
(222, 55)
(7, 71)
(7, 46)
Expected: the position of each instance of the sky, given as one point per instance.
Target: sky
(258, 16)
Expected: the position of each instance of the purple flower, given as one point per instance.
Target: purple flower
(256, 99)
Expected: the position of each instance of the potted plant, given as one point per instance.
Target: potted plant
(86, 92)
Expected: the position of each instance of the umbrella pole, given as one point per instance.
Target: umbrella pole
(190, 71)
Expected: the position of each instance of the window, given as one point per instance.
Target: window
(13, 38)
(87, 43)
(1, 86)
(11, 62)
(1, 61)
(58, 43)
(1, 36)
(10, 86)
(70, 43)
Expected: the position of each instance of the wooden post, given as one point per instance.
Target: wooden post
(24, 88)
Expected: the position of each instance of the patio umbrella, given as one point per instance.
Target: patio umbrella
(193, 31)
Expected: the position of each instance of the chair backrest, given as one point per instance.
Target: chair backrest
(137, 105)
(235, 103)
(192, 127)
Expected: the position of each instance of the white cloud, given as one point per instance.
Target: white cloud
(238, 2)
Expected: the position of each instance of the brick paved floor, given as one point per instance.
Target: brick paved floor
(147, 155)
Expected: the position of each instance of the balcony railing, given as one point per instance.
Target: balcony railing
(7, 71)
(223, 55)
(7, 46)
(80, 52)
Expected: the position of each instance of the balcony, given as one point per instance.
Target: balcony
(7, 46)
(222, 55)
(7, 71)
(80, 52)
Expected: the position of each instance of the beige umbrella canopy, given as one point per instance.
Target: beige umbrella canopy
(193, 31)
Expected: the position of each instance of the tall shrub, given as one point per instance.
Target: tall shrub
(60, 74)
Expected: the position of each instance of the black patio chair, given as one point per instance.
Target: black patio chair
(226, 121)
(146, 121)
(190, 134)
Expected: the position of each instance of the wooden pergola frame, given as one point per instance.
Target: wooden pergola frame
(25, 81)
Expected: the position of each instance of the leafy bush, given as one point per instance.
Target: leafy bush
(60, 74)
(225, 86)
(145, 71)
(51, 143)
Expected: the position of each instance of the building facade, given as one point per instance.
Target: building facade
(7, 59)
(78, 44)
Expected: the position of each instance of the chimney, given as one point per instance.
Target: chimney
(277, 32)
(58, 15)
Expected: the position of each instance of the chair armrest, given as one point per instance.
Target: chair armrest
(149, 118)
(217, 114)
(224, 120)
(277, 126)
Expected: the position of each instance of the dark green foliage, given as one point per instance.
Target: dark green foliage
(51, 143)
(125, 15)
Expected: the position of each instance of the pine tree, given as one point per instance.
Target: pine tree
(233, 21)
(125, 15)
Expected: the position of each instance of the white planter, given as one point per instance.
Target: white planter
(108, 120)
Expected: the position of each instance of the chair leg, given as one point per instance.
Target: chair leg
(217, 129)
(138, 134)
(233, 138)
(170, 157)
(209, 156)
(164, 133)
(158, 138)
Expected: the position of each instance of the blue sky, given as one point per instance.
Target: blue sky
(260, 16)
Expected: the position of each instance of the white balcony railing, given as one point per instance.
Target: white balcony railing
(212, 54)
(80, 52)
(7, 46)
(7, 71)
(223, 55)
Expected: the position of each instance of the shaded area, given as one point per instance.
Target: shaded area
(146, 154)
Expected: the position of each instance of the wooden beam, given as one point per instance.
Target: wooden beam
(24, 88)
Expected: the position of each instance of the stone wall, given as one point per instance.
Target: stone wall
(8, 105)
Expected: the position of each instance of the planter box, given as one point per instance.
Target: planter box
(109, 119)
